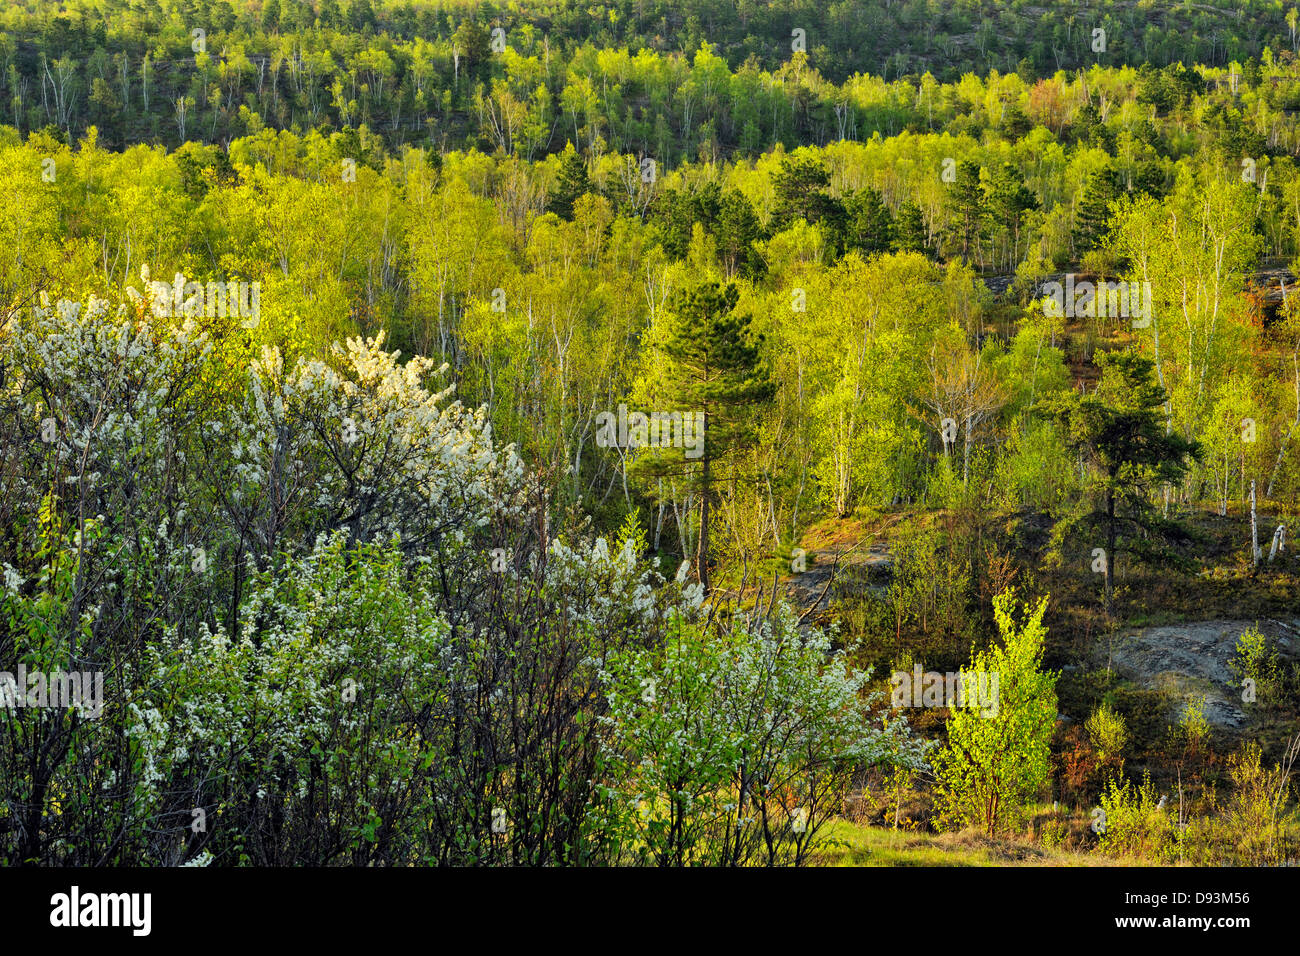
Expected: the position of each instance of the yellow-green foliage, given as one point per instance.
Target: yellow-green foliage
(1108, 734)
(995, 764)
(1256, 661)
(1134, 823)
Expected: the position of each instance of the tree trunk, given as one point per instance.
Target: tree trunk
(1254, 530)
(1110, 550)
(702, 555)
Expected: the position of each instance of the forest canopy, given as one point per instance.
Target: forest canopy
(471, 433)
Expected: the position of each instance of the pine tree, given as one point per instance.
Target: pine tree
(1008, 201)
(676, 211)
(361, 15)
(871, 224)
(1092, 214)
(1119, 429)
(738, 227)
(271, 16)
(909, 230)
(801, 188)
(473, 42)
(329, 15)
(571, 184)
(713, 367)
(966, 208)
(1149, 178)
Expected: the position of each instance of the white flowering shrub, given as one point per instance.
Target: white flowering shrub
(607, 587)
(102, 396)
(97, 409)
(358, 444)
(166, 494)
(735, 747)
(104, 403)
(534, 642)
(338, 625)
(303, 733)
(345, 720)
(42, 629)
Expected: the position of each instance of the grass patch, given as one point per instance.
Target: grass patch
(852, 844)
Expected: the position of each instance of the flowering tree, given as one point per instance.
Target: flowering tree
(735, 748)
(338, 624)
